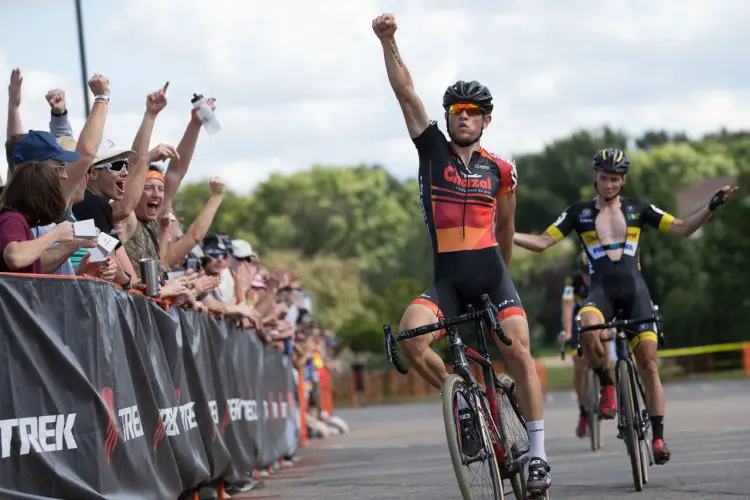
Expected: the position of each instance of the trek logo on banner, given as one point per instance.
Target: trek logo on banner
(123, 422)
(171, 418)
(275, 409)
(43, 434)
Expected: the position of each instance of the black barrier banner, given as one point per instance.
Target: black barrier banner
(106, 395)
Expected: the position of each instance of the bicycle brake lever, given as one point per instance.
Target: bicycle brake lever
(491, 311)
(391, 351)
(388, 342)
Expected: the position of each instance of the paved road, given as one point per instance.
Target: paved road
(400, 452)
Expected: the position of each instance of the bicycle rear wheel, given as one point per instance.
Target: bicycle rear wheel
(592, 403)
(628, 420)
(483, 461)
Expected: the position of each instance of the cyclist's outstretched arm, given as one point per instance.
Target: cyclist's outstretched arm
(534, 242)
(667, 223)
(415, 115)
(554, 233)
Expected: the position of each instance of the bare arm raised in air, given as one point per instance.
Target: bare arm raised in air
(415, 115)
(15, 127)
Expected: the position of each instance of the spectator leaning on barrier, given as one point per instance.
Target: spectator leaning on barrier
(139, 231)
(40, 145)
(222, 300)
(32, 197)
(117, 177)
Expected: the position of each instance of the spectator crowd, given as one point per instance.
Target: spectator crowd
(84, 206)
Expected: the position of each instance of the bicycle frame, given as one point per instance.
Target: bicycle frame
(461, 355)
(625, 355)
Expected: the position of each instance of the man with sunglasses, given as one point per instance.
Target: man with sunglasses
(468, 202)
(106, 184)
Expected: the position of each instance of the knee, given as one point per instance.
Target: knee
(649, 365)
(416, 345)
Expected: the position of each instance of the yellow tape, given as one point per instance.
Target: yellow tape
(703, 349)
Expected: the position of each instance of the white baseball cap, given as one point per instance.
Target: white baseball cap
(241, 249)
(108, 152)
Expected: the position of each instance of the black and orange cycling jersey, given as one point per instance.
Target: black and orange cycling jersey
(459, 203)
(615, 285)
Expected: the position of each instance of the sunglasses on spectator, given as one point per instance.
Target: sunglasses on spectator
(215, 253)
(60, 169)
(471, 109)
(115, 166)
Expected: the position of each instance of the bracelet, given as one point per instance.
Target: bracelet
(102, 98)
(64, 112)
(130, 278)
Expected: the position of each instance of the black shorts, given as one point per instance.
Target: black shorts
(461, 278)
(626, 296)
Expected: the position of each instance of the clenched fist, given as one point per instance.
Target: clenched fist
(217, 186)
(64, 232)
(99, 84)
(384, 26)
(56, 100)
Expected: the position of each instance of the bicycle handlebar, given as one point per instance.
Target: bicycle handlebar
(620, 324)
(488, 312)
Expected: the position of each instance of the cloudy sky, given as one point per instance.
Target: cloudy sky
(300, 82)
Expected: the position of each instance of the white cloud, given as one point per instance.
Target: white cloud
(302, 82)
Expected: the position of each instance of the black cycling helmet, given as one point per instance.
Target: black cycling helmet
(612, 160)
(471, 92)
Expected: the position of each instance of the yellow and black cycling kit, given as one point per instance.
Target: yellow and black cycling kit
(616, 286)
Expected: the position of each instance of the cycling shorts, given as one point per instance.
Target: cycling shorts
(624, 294)
(461, 278)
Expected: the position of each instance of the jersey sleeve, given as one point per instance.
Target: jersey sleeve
(508, 178)
(430, 139)
(568, 289)
(657, 218)
(563, 225)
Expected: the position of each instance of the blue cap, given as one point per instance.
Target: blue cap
(39, 145)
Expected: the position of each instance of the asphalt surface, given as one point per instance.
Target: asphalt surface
(400, 452)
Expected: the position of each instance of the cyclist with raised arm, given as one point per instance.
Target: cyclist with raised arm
(468, 201)
(575, 291)
(609, 227)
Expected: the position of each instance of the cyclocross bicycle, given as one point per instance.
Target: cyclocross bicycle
(483, 426)
(633, 422)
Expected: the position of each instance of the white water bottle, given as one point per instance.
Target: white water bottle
(206, 107)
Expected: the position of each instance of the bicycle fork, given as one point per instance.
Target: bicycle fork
(478, 405)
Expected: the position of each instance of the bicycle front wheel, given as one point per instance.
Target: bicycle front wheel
(515, 437)
(469, 443)
(628, 421)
